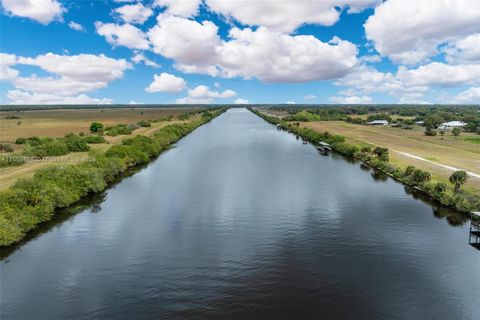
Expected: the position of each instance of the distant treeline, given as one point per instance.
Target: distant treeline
(12, 107)
(432, 116)
(34, 200)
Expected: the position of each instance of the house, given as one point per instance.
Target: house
(452, 124)
(378, 123)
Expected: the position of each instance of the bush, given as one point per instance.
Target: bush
(145, 144)
(430, 132)
(130, 154)
(96, 127)
(34, 141)
(119, 129)
(144, 123)
(75, 143)
(5, 147)
(20, 141)
(94, 139)
(48, 148)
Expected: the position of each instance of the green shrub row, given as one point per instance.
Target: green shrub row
(378, 158)
(32, 201)
(120, 129)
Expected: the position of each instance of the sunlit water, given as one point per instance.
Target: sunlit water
(241, 221)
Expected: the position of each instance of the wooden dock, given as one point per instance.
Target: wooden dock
(474, 236)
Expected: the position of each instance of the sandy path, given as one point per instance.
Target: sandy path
(475, 175)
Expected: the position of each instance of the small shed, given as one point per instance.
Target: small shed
(378, 123)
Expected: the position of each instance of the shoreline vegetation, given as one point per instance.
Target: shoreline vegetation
(32, 201)
(378, 158)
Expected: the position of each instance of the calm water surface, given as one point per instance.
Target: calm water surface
(240, 221)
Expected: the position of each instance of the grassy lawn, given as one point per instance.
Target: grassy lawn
(57, 123)
(459, 152)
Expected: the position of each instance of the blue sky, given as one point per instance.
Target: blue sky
(236, 51)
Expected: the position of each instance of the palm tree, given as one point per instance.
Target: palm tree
(458, 178)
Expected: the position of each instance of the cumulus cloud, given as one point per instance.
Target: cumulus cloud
(366, 80)
(441, 74)
(134, 13)
(186, 41)
(23, 97)
(410, 85)
(351, 99)
(196, 47)
(187, 8)
(166, 82)
(287, 15)
(82, 67)
(310, 97)
(6, 61)
(203, 95)
(240, 101)
(465, 50)
(140, 58)
(410, 32)
(76, 26)
(72, 76)
(472, 95)
(122, 35)
(43, 11)
(276, 57)
(272, 56)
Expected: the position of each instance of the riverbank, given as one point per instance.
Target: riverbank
(32, 201)
(462, 201)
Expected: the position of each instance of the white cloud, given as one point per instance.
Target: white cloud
(440, 74)
(291, 102)
(472, 95)
(310, 97)
(287, 15)
(465, 50)
(272, 56)
(43, 11)
(240, 101)
(122, 35)
(275, 57)
(22, 97)
(202, 91)
(82, 67)
(186, 41)
(411, 31)
(60, 86)
(185, 8)
(203, 95)
(366, 80)
(352, 99)
(6, 61)
(76, 26)
(166, 82)
(140, 57)
(134, 13)
(72, 77)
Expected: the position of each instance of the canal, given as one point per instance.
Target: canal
(241, 221)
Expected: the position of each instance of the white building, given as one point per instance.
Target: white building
(378, 123)
(452, 124)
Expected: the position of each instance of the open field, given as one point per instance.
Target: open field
(57, 123)
(459, 152)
